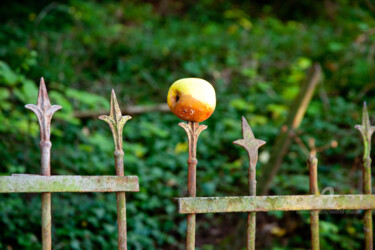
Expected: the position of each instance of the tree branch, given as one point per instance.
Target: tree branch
(128, 110)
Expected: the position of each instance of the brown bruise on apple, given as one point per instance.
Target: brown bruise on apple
(189, 109)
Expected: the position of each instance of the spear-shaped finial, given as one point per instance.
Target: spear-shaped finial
(366, 129)
(44, 111)
(249, 143)
(116, 121)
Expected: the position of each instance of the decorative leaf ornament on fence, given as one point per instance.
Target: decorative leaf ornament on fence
(47, 184)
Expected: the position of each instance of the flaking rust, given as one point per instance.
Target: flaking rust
(44, 112)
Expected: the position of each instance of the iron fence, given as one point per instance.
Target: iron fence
(192, 205)
(47, 184)
(314, 202)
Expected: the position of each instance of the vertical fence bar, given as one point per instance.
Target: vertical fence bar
(121, 202)
(193, 129)
(312, 162)
(251, 217)
(251, 145)
(367, 130)
(116, 122)
(44, 111)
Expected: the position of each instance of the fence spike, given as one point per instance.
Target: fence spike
(116, 122)
(44, 112)
(367, 130)
(193, 130)
(251, 145)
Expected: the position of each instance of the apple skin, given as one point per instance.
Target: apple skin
(192, 99)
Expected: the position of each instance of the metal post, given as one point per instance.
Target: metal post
(251, 145)
(44, 111)
(193, 129)
(312, 162)
(367, 130)
(116, 121)
(251, 217)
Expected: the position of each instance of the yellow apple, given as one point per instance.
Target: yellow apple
(192, 99)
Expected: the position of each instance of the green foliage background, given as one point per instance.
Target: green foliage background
(255, 54)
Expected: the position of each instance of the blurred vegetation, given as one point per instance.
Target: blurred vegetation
(256, 54)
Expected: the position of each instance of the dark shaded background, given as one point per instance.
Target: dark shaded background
(255, 53)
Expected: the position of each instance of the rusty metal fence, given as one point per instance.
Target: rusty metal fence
(47, 184)
(314, 202)
(192, 205)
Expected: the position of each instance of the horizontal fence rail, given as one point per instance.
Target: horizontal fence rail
(60, 183)
(274, 203)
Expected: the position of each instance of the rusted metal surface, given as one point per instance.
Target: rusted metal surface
(44, 111)
(116, 121)
(312, 163)
(193, 130)
(367, 130)
(60, 183)
(274, 203)
(251, 145)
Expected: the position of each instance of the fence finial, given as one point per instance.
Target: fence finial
(44, 111)
(116, 121)
(249, 142)
(366, 129)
